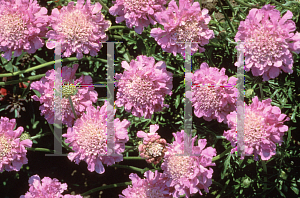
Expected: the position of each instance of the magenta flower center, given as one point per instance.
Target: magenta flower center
(180, 166)
(187, 31)
(137, 5)
(146, 191)
(5, 146)
(254, 129)
(155, 149)
(207, 98)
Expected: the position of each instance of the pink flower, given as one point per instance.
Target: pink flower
(263, 127)
(188, 23)
(153, 147)
(152, 186)
(213, 94)
(21, 27)
(12, 149)
(82, 97)
(46, 188)
(138, 13)
(88, 138)
(187, 174)
(80, 29)
(143, 86)
(268, 42)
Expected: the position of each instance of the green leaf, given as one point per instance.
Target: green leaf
(177, 101)
(40, 60)
(9, 67)
(127, 58)
(226, 165)
(36, 93)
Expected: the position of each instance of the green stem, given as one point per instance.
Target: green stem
(103, 5)
(128, 167)
(226, 17)
(59, 139)
(106, 187)
(265, 177)
(72, 106)
(222, 154)
(280, 4)
(261, 91)
(116, 37)
(129, 146)
(246, 4)
(118, 27)
(133, 158)
(12, 82)
(39, 135)
(41, 150)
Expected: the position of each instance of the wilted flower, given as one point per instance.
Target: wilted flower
(188, 173)
(138, 13)
(188, 23)
(88, 139)
(268, 42)
(81, 97)
(153, 147)
(143, 86)
(263, 127)
(22, 24)
(213, 94)
(152, 186)
(16, 104)
(79, 29)
(12, 149)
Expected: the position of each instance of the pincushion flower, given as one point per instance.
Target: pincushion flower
(213, 94)
(88, 139)
(138, 13)
(81, 97)
(12, 148)
(187, 174)
(143, 86)
(46, 188)
(153, 147)
(152, 186)
(263, 127)
(21, 27)
(79, 29)
(188, 23)
(268, 42)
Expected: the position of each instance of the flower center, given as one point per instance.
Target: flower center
(155, 149)
(187, 31)
(207, 97)
(5, 145)
(253, 129)
(146, 191)
(179, 166)
(137, 5)
(68, 90)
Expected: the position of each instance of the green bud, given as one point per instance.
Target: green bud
(249, 93)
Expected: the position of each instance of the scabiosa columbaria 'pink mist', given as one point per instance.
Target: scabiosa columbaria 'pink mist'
(188, 23)
(88, 138)
(188, 173)
(153, 186)
(81, 99)
(12, 149)
(143, 86)
(46, 188)
(153, 147)
(22, 24)
(213, 94)
(138, 13)
(263, 127)
(80, 28)
(268, 42)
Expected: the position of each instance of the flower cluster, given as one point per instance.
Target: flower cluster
(143, 86)
(21, 27)
(12, 149)
(268, 42)
(153, 147)
(89, 139)
(47, 188)
(188, 23)
(83, 98)
(263, 127)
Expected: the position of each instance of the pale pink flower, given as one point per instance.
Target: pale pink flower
(152, 186)
(187, 174)
(268, 42)
(153, 147)
(213, 94)
(79, 29)
(186, 23)
(138, 13)
(22, 24)
(81, 97)
(12, 148)
(143, 86)
(88, 139)
(46, 188)
(263, 127)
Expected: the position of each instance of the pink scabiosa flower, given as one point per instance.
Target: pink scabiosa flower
(268, 42)
(152, 186)
(138, 13)
(153, 147)
(21, 27)
(81, 97)
(143, 86)
(213, 94)
(47, 188)
(263, 127)
(12, 148)
(80, 29)
(88, 139)
(187, 174)
(188, 23)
